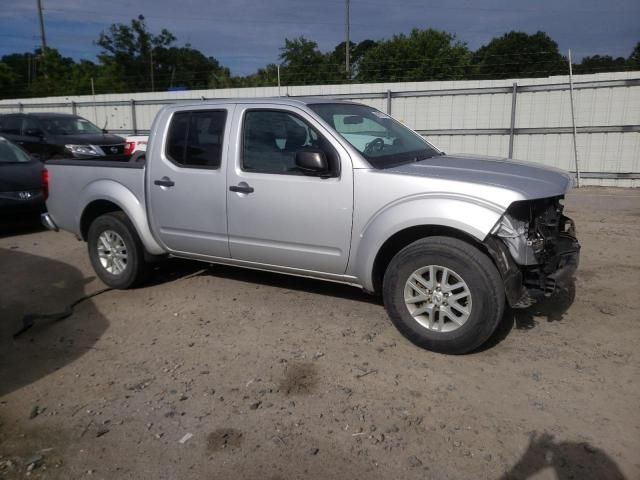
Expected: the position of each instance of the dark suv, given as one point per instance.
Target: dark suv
(60, 135)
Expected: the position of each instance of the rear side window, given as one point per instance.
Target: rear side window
(11, 124)
(195, 138)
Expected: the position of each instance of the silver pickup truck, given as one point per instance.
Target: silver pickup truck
(332, 190)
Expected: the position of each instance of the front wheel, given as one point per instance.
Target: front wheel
(444, 295)
(115, 251)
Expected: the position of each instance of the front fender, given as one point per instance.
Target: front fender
(124, 198)
(473, 216)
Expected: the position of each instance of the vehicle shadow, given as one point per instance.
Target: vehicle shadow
(39, 286)
(12, 225)
(569, 460)
(290, 282)
(552, 309)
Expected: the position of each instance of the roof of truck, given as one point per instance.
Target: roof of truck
(44, 114)
(293, 101)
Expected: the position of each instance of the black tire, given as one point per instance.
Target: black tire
(475, 269)
(135, 270)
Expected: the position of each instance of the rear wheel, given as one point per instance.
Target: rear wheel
(115, 251)
(444, 295)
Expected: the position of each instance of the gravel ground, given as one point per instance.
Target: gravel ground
(212, 372)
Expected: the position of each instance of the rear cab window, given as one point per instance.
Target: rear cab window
(195, 138)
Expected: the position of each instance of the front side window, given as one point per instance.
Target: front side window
(272, 138)
(383, 141)
(31, 127)
(195, 138)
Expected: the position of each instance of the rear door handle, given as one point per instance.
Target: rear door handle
(164, 182)
(241, 188)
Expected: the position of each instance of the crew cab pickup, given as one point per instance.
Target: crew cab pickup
(332, 190)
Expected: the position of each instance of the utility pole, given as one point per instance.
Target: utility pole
(173, 74)
(278, 69)
(348, 42)
(43, 39)
(573, 121)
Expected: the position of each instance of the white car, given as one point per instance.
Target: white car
(135, 143)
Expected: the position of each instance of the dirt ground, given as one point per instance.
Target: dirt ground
(212, 373)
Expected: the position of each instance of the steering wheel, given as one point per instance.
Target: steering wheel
(375, 145)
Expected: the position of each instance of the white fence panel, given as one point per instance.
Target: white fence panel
(470, 116)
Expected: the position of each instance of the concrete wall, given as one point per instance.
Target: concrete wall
(458, 116)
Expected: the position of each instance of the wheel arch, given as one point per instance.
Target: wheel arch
(402, 223)
(92, 211)
(106, 196)
(407, 236)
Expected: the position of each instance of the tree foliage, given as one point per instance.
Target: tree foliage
(634, 58)
(144, 61)
(518, 55)
(600, 63)
(421, 55)
(131, 55)
(303, 63)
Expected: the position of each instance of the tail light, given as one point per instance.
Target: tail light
(129, 147)
(44, 181)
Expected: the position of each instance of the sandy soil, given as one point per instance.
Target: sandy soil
(212, 372)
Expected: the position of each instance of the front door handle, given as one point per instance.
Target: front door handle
(242, 188)
(164, 182)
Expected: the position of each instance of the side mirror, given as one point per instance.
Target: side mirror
(312, 161)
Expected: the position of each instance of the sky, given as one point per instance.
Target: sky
(245, 35)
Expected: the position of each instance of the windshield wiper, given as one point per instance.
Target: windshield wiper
(416, 159)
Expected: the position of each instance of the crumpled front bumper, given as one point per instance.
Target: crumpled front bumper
(568, 259)
(524, 285)
(564, 268)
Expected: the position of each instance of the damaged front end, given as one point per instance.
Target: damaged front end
(535, 248)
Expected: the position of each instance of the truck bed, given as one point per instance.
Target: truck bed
(74, 184)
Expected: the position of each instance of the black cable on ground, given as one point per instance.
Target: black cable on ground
(29, 319)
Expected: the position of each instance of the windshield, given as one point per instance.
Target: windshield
(383, 141)
(69, 126)
(10, 153)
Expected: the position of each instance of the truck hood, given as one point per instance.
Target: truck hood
(531, 180)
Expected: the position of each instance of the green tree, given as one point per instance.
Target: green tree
(16, 80)
(304, 64)
(186, 66)
(598, 63)
(421, 55)
(131, 52)
(517, 55)
(634, 59)
(53, 75)
(263, 77)
(9, 82)
(127, 52)
(337, 58)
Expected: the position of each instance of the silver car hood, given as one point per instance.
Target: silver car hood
(530, 180)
